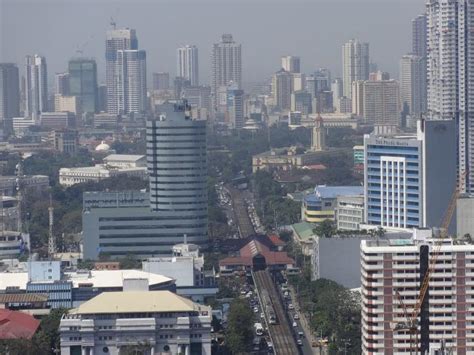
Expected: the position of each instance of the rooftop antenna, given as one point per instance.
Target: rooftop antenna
(19, 187)
(113, 23)
(51, 240)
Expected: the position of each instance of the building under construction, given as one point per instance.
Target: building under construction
(392, 271)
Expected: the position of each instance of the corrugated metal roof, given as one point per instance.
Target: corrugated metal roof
(23, 297)
(17, 325)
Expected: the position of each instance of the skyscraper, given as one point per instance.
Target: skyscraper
(290, 63)
(419, 36)
(451, 72)
(9, 94)
(355, 64)
(117, 39)
(226, 64)
(177, 166)
(412, 84)
(36, 86)
(282, 88)
(235, 107)
(61, 83)
(131, 81)
(188, 64)
(83, 84)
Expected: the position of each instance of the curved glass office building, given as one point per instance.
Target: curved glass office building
(177, 167)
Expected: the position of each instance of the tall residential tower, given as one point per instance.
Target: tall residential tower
(188, 64)
(36, 86)
(355, 64)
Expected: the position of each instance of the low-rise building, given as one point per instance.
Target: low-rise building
(157, 322)
(66, 141)
(8, 213)
(13, 244)
(304, 236)
(349, 212)
(58, 120)
(29, 182)
(186, 267)
(321, 204)
(113, 165)
(105, 120)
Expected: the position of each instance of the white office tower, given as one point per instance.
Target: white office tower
(226, 63)
(451, 74)
(445, 319)
(290, 64)
(412, 84)
(117, 39)
(36, 81)
(336, 88)
(355, 64)
(188, 64)
(131, 81)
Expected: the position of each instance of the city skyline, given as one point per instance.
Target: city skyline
(315, 51)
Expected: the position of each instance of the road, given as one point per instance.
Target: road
(280, 333)
(242, 218)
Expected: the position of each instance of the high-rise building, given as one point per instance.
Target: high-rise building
(409, 180)
(226, 64)
(412, 84)
(61, 84)
(355, 64)
(66, 104)
(83, 84)
(379, 75)
(336, 88)
(451, 72)
(198, 97)
(419, 36)
(188, 64)
(117, 39)
(378, 102)
(235, 108)
(9, 95)
(290, 64)
(302, 101)
(102, 94)
(161, 81)
(36, 86)
(282, 88)
(131, 81)
(388, 266)
(177, 166)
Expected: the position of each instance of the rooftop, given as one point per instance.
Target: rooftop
(124, 157)
(331, 192)
(17, 325)
(149, 301)
(303, 229)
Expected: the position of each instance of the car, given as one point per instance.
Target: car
(301, 334)
(262, 315)
(255, 309)
(299, 342)
(295, 324)
(290, 306)
(296, 316)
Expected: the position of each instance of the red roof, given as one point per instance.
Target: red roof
(275, 239)
(17, 325)
(253, 248)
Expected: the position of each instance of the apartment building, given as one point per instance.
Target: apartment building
(446, 317)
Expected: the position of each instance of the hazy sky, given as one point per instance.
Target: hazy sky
(267, 29)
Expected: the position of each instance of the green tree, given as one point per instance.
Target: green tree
(325, 229)
(130, 262)
(240, 327)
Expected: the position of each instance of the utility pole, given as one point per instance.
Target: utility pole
(51, 240)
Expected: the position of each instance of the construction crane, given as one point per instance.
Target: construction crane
(411, 322)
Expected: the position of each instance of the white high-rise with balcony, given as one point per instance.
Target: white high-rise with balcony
(226, 63)
(188, 64)
(451, 73)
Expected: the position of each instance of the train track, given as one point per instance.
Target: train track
(280, 333)
(242, 218)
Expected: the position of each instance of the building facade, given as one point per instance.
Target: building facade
(409, 180)
(177, 166)
(226, 63)
(83, 84)
(282, 88)
(66, 141)
(235, 108)
(9, 95)
(397, 266)
(355, 64)
(36, 86)
(117, 39)
(380, 102)
(161, 81)
(291, 64)
(61, 84)
(413, 84)
(349, 212)
(188, 64)
(115, 323)
(131, 81)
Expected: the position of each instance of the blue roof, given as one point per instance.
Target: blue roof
(331, 192)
